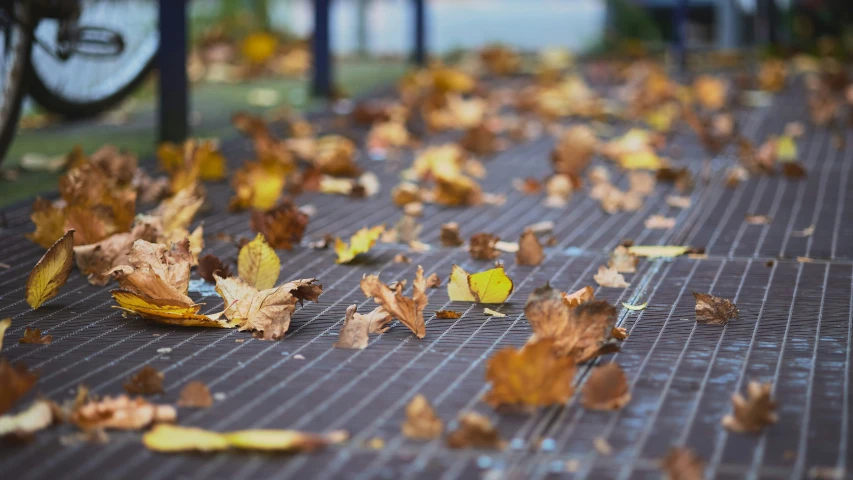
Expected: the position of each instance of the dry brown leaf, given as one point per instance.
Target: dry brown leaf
(409, 311)
(49, 220)
(606, 388)
(681, 463)
(51, 271)
(527, 186)
(583, 295)
(530, 251)
(475, 431)
(97, 259)
(433, 281)
(147, 381)
(282, 226)
(753, 413)
(574, 150)
(356, 326)
(714, 310)
(623, 260)
(450, 235)
(559, 188)
(480, 140)
(619, 333)
(447, 314)
(659, 222)
(610, 277)
(481, 246)
(678, 201)
(421, 423)
(400, 258)
(209, 265)
(195, 395)
(15, 382)
(530, 377)
(121, 413)
(4, 324)
(34, 337)
(794, 170)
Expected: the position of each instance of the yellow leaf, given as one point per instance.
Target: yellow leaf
(786, 149)
(658, 251)
(273, 440)
(457, 288)
(51, 271)
(491, 286)
(642, 160)
(361, 242)
(258, 264)
(4, 324)
(259, 47)
(172, 438)
(164, 311)
(635, 307)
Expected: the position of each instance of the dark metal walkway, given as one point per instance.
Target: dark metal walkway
(794, 331)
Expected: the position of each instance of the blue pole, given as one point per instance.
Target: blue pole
(322, 82)
(172, 62)
(419, 55)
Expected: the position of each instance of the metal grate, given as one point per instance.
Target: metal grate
(794, 330)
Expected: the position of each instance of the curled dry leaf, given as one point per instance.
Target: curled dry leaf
(475, 431)
(583, 295)
(147, 381)
(282, 226)
(34, 337)
(421, 423)
(606, 388)
(447, 314)
(491, 286)
(681, 463)
(530, 251)
(356, 326)
(714, 310)
(659, 222)
(433, 281)
(121, 413)
(195, 395)
(623, 260)
(258, 263)
(493, 313)
(610, 277)
(532, 376)
(361, 242)
(4, 324)
(482, 246)
(409, 311)
(209, 265)
(97, 259)
(619, 333)
(449, 235)
(753, 413)
(36, 417)
(51, 271)
(15, 382)
(172, 438)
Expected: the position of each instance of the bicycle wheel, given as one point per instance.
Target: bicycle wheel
(82, 85)
(16, 42)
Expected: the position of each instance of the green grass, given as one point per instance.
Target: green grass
(214, 103)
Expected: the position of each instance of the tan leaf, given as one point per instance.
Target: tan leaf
(421, 423)
(758, 219)
(475, 431)
(753, 413)
(659, 222)
(4, 324)
(195, 395)
(49, 220)
(532, 376)
(678, 201)
(583, 295)
(15, 382)
(682, 464)
(258, 264)
(356, 326)
(34, 337)
(97, 259)
(606, 388)
(51, 271)
(530, 251)
(622, 260)
(433, 281)
(147, 381)
(714, 310)
(610, 277)
(121, 413)
(409, 311)
(37, 416)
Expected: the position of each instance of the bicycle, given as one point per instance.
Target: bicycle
(76, 58)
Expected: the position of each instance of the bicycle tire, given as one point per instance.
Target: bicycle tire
(10, 113)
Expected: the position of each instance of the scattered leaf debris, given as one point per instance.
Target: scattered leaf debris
(34, 337)
(754, 412)
(421, 423)
(714, 310)
(475, 431)
(146, 381)
(195, 395)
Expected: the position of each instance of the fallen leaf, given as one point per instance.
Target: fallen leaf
(147, 381)
(658, 251)
(623, 260)
(635, 308)
(530, 251)
(527, 186)
(49, 220)
(481, 246)
(195, 395)
(121, 413)
(491, 286)
(794, 170)
(97, 259)
(583, 295)
(475, 431)
(15, 382)
(409, 311)
(171, 438)
(753, 413)
(610, 277)
(806, 232)
(489, 311)
(447, 314)
(356, 326)
(659, 222)
(433, 281)
(682, 464)
(400, 258)
(34, 337)
(209, 265)
(758, 219)
(258, 185)
(406, 230)
(714, 310)
(602, 446)
(606, 388)
(678, 201)
(282, 226)
(574, 150)
(421, 423)
(449, 235)
(258, 264)
(51, 271)
(619, 333)
(36, 417)
(4, 324)
(361, 242)
(532, 376)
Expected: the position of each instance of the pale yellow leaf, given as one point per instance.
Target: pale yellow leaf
(258, 264)
(51, 271)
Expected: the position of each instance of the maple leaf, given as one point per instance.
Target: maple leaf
(258, 263)
(49, 220)
(34, 337)
(195, 395)
(449, 235)
(606, 388)
(682, 464)
(610, 277)
(583, 295)
(121, 413)
(714, 310)
(37, 416)
(753, 413)
(361, 242)
(209, 265)
(171, 438)
(15, 382)
(475, 431)
(147, 381)
(409, 311)
(282, 226)
(356, 326)
(530, 251)
(623, 260)
(421, 423)
(532, 376)
(51, 271)
(481, 246)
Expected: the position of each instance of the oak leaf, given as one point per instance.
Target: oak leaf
(34, 337)
(610, 277)
(475, 431)
(361, 242)
(409, 311)
(606, 388)
(15, 382)
(282, 226)
(682, 464)
(121, 413)
(195, 395)
(258, 263)
(530, 251)
(51, 271)
(532, 376)
(714, 310)
(421, 423)
(146, 381)
(753, 413)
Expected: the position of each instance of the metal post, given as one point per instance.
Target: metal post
(172, 62)
(419, 55)
(679, 31)
(322, 82)
(727, 25)
(772, 22)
